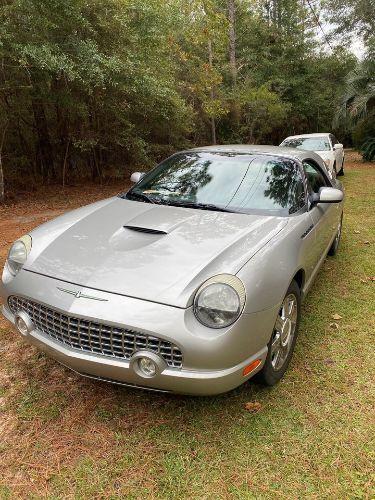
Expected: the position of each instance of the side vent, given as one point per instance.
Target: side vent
(308, 230)
(145, 230)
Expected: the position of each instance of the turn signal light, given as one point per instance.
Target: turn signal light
(251, 367)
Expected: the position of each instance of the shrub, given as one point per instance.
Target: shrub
(368, 149)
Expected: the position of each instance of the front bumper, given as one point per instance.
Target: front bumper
(213, 361)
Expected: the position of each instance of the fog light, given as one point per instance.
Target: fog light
(147, 364)
(147, 367)
(23, 323)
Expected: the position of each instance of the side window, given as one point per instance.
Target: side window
(333, 140)
(315, 179)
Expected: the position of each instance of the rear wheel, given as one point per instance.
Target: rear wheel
(283, 338)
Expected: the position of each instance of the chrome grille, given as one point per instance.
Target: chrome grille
(93, 337)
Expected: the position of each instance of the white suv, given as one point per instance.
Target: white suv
(325, 145)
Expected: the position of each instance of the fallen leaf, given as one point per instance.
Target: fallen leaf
(336, 316)
(366, 242)
(334, 325)
(363, 281)
(253, 406)
(371, 278)
(329, 361)
(357, 232)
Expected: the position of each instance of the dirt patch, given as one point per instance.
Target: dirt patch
(353, 159)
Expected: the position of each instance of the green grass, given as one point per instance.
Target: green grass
(313, 437)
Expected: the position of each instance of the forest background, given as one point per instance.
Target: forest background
(92, 90)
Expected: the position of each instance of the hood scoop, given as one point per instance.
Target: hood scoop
(146, 230)
(130, 237)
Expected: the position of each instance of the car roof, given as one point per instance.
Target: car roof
(317, 134)
(260, 149)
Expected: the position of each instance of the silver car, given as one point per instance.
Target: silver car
(191, 281)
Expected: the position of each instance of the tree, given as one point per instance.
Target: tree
(92, 89)
(2, 186)
(233, 63)
(357, 106)
(352, 16)
(358, 99)
(262, 110)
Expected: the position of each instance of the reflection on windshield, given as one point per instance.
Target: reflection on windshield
(182, 178)
(308, 143)
(232, 182)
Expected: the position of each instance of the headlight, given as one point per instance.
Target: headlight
(18, 254)
(219, 301)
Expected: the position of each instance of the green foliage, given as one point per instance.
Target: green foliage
(364, 129)
(262, 110)
(368, 149)
(95, 79)
(353, 16)
(93, 89)
(357, 107)
(359, 93)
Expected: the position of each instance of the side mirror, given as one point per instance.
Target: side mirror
(136, 177)
(327, 195)
(338, 146)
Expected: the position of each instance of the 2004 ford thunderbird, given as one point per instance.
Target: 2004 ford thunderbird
(190, 282)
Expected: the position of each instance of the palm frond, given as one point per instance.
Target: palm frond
(368, 149)
(359, 94)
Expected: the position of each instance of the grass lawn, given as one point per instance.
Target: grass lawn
(62, 436)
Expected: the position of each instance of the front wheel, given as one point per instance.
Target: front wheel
(334, 170)
(283, 338)
(336, 242)
(341, 171)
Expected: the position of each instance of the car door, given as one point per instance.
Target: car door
(323, 214)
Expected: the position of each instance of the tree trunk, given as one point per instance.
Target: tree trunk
(44, 147)
(2, 187)
(64, 164)
(213, 124)
(233, 61)
(232, 40)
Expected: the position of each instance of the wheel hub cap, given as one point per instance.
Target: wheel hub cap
(284, 330)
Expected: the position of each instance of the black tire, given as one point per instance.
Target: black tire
(271, 374)
(341, 171)
(334, 169)
(336, 242)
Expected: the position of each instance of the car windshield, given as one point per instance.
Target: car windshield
(225, 182)
(308, 143)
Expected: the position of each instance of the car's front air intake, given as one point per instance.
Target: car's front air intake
(91, 336)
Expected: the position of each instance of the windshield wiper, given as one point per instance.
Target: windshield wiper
(201, 206)
(141, 196)
(187, 204)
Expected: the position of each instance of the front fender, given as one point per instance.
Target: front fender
(268, 274)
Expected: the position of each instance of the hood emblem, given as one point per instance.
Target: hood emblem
(79, 295)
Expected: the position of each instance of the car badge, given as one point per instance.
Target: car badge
(80, 295)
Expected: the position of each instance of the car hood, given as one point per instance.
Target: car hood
(152, 252)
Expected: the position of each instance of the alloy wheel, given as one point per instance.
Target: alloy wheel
(284, 331)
